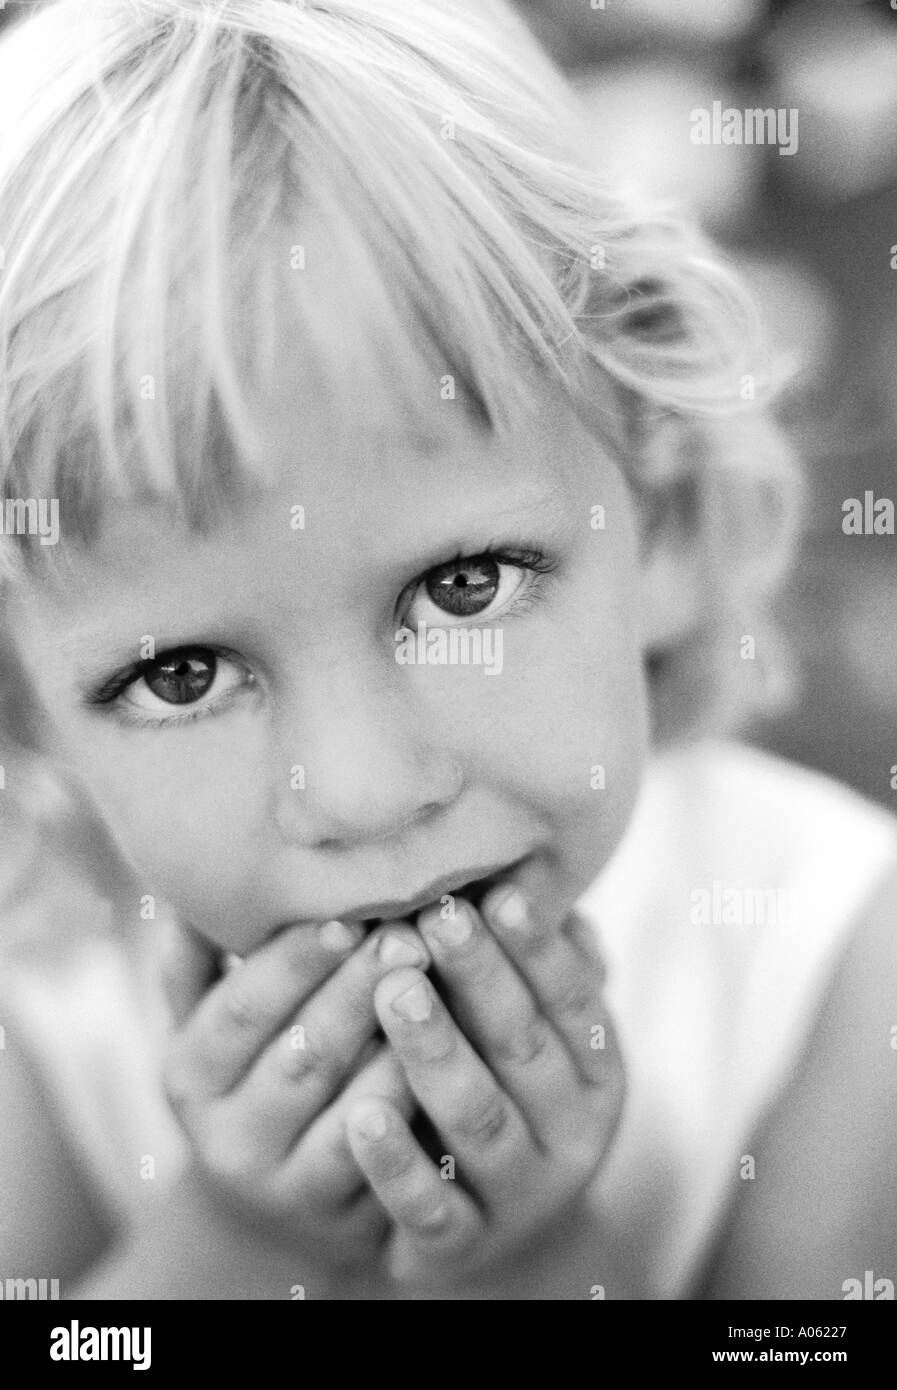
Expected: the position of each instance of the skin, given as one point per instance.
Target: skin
(202, 813)
(412, 775)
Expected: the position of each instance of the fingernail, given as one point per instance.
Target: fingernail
(395, 950)
(455, 928)
(511, 911)
(373, 1124)
(338, 936)
(415, 1004)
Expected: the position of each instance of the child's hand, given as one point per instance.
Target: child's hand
(257, 1076)
(522, 1080)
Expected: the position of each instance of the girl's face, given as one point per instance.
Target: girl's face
(235, 707)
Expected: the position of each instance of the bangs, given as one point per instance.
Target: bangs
(364, 207)
(361, 205)
(258, 224)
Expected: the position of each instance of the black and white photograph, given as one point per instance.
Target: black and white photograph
(448, 661)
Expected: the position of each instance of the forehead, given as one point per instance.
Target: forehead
(359, 489)
(378, 508)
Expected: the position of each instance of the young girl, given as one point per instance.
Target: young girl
(416, 535)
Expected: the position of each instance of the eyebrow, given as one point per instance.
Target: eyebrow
(539, 511)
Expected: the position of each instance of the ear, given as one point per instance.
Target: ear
(674, 598)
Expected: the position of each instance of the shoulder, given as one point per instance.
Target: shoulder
(818, 1210)
(51, 1225)
(739, 775)
(757, 819)
(721, 820)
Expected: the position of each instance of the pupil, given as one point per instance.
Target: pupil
(181, 680)
(464, 590)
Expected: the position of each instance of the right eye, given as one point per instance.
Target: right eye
(195, 680)
(180, 678)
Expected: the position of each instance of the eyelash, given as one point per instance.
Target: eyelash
(107, 695)
(535, 561)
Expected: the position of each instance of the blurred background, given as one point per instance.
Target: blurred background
(815, 233)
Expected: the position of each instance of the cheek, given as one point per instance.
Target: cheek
(570, 720)
(183, 807)
(562, 731)
(587, 739)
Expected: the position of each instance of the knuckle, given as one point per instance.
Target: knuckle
(296, 1053)
(240, 1010)
(485, 1121)
(428, 1212)
(311, 1064)
(448, 1250)
(575, 999)
(433, 1045)
(440, 1050)
(525, 1045)
(395, 1164)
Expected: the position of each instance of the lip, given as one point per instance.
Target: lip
(479, 878)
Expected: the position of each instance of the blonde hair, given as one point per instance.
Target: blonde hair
(166, 161)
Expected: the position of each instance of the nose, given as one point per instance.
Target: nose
(357, 756)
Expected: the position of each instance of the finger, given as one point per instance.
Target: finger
(496, 1009)
(564, 980)
(479, 1123)
(585, 937)
(438, 1215)
(322, 1167)
(305, 1065)
(188, 965)
(245, 1009)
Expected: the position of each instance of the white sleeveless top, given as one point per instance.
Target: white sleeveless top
(722, 916)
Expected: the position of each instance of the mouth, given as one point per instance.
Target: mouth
(471, 888)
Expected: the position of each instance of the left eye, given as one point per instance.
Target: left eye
(182, 678)
(467, 588)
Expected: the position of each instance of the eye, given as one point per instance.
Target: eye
(473, 586)
(179, 679)
(192, 680)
